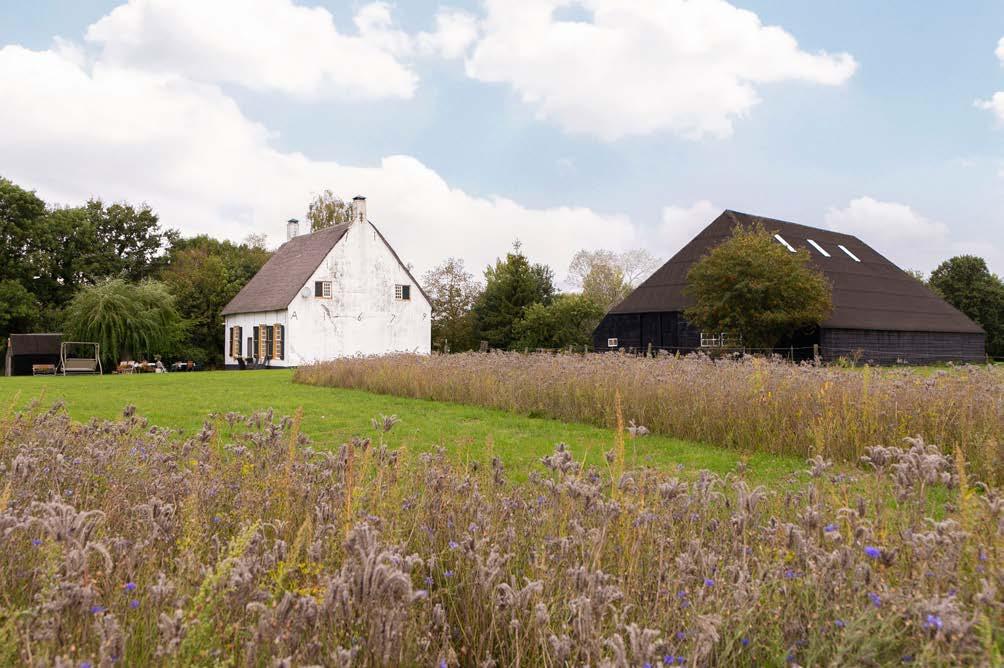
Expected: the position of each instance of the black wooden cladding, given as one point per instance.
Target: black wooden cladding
(669, 331)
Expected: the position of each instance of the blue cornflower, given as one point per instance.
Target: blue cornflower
(745, 642)
(873, 552)
(907, 658)
(85, 664)
(442, 663)
(36, 541)
(428, 581)
(129, 586)
(680, 660)
(829, 528)
(668, 659)
(98, 609)
(790, 658)
(933, 622)
(681, 594)
(216, 519)
(454, 544)
(839, 623)
(646, 665)
(134, 603)
(680, 635)
(874, 598)
(708, 582)
(448, 574)
(789, 574)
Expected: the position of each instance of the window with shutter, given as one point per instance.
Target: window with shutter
(322, 289)
(402, 292)
(232, 349)
(263, 342)
(278, 341)
(239, 338)
(255, 349)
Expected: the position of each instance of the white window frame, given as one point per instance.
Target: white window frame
(612, 342)
(784, 242)
(849, 254)
(325, 290)
(818, 248)
(399, 292)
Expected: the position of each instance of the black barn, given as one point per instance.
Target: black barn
(879, 311)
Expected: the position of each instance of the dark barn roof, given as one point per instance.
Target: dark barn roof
(872, 294)
(35, 344)
(277, 282)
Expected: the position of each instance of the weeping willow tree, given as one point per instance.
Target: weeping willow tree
(129, 320)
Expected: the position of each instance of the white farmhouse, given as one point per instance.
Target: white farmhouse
(337, 292)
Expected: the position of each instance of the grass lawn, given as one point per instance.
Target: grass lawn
(331, 416)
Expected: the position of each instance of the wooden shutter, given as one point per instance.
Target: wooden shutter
(263, 341)
(239, 338)
(256, 353)
(232, 341)
(318, 288)
(278, 341)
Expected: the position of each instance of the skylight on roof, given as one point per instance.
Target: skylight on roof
(850, 254)
(818, 248)
(784, 243)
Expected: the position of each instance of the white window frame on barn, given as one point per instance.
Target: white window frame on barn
(402, 292)
(720, 340)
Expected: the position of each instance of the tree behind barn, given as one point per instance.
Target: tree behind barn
(326, 210)
(966, 283)
(753, 287)
(453, 291)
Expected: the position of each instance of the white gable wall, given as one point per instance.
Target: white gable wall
(362, 317)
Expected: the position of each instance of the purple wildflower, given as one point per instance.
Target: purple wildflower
(97, 609)
(448, 574)
(789, 574)
(874, 598)
(708, 582)
(745, 642)
(454, 545)
(680, 660)
(680, 635)
(129, 586)
(933, 622)
(830, 528)
(36, 541)
(873, 552)
(839, 624)
(134, 603)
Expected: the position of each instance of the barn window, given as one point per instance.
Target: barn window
(784, 243)
(849, 254)
(322, 289)
(719, 340)
(612, 342)
(818, 248)
(402, 292)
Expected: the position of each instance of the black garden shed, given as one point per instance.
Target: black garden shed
(880, 312)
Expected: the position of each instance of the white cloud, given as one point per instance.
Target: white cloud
(903, 235)
(1000, 51)
(681, 224)
(263, 45)
(995, 105)
(642, 66)
(74, 131)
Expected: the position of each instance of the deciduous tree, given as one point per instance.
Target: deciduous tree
(966, 283)
(326, 209)
(453, 291)
(753, 287)
(569, 320)
(511, 285)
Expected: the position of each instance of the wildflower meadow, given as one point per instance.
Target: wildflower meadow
(753, 404)
(246, 544)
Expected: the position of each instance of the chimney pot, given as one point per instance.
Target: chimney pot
(358, 209)
(292, 228)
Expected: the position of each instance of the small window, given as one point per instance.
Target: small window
(818, 248)
(849, 254)
(402, 292)
(784, 243)
(322, 289)
(612, 342)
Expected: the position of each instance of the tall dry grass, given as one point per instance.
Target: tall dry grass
(752, 405)
(121, 544)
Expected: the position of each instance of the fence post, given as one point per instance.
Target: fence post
(649, 354)
(815, 352)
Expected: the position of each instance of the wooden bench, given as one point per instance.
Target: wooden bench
(43, 369)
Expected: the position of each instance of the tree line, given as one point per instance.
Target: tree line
(112, 273)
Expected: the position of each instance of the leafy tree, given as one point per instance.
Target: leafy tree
(608, 277)
(453, 291)
(203, 274)
(569, 320)
(511, 285)
(19, 311)
(20, 214)
(966, 283)
(326, 210)
(126, 319)
(753, 287)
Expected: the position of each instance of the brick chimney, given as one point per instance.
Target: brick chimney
(292, 228)
(358, 209)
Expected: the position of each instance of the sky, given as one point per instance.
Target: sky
(565, 124)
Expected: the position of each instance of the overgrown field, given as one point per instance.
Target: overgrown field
(332, 416)
(242, 545)
(754, 405)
